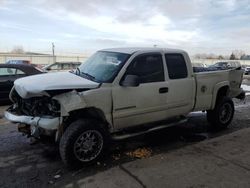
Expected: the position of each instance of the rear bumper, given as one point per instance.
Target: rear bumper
(47, 124)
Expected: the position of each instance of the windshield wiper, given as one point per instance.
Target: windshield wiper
(88, 75)
(78, 71)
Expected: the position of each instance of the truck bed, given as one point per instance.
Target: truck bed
(208, 82)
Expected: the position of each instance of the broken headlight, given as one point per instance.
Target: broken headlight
(39, 106)
(54, 106)
(35, 106)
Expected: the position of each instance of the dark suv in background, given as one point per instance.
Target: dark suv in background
(226, 65)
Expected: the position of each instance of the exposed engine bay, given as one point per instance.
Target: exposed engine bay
(35, 106)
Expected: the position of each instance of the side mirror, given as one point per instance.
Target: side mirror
(130, 81)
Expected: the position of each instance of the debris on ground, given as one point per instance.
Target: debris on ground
(35, 177)
(140, 153)
(57, 176)
(59, 171)
(51, 182)
(77, 172)
(116, 156)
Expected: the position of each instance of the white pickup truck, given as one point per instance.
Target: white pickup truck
(119, 93)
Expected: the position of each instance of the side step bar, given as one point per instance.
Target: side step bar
(118, 137)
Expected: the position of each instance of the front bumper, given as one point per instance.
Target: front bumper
(46, 124)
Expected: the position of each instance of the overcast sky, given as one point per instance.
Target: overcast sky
(198, 26)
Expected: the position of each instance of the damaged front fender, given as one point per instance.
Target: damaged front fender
(70, 101)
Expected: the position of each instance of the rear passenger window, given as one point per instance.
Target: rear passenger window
(19, 72)
(148, 67)
(176, 66)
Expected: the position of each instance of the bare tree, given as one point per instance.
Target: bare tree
(220, 57)
(232, 57)
(17, 50)
(238, 53)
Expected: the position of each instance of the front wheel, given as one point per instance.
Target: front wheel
(221, 116)
(83, 143)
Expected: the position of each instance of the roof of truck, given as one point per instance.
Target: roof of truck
(138, 49)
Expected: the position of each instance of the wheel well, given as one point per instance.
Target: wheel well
(89, 113)
(222, 92)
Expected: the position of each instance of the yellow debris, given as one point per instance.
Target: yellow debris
(140, 153)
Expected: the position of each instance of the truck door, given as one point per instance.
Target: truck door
(146, 102)
(181, 93)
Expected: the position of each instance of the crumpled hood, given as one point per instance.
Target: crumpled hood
(37, 85)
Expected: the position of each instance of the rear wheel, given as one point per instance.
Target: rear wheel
(83, 143)
(221, 116)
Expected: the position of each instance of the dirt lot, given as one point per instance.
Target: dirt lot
(39, 165)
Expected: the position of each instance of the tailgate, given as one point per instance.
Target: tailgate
(235, 80)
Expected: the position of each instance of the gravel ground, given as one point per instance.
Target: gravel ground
(25, 165)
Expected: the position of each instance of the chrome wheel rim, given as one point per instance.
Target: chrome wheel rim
(88, 145)
(225, 113)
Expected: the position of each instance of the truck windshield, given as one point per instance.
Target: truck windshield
(103, 66)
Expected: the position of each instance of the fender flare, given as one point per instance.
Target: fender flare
(217, 87)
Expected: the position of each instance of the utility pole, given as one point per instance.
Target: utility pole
(53, 52)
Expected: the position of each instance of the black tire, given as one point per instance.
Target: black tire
(222, 115)
(74, 142)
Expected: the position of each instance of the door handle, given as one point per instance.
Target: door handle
(163, 90)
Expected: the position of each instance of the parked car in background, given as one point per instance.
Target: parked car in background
(247, 70)
(61, 66)
(199, 65)
(226, 65)
(18, 62)
(9, 73)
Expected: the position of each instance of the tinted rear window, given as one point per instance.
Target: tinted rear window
(176, 66)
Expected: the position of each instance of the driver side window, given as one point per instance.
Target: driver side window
(148, 67)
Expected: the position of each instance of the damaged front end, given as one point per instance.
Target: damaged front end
(42, 103)
(36, 116)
